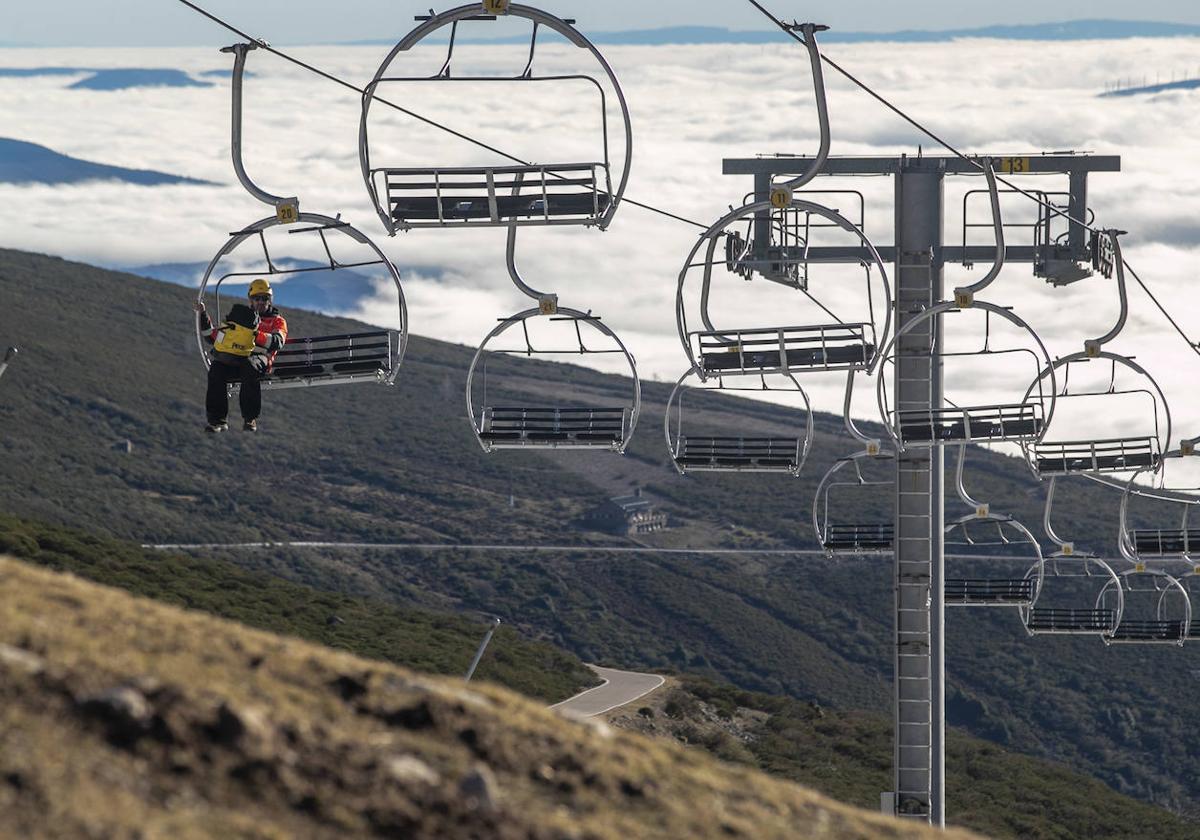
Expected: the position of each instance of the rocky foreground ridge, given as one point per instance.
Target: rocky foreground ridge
(120, 717)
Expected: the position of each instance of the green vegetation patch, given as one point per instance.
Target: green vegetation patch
(419, 639)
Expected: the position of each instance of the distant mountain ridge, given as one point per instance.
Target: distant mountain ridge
(28, 163)
(120, 78)
(1076, 30)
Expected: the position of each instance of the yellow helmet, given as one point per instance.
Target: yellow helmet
(260, 287)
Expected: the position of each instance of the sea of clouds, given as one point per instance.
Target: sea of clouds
(692, 107)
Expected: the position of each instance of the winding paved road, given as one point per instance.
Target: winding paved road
(619, 689)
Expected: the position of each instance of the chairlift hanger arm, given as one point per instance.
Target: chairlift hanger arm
(965, 295)
(980, 508)
(818, 73)
(286, 208)
(1092, 346)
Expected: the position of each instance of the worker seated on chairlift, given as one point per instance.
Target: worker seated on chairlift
(244, 348)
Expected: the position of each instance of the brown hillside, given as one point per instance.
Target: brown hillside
(122, 717)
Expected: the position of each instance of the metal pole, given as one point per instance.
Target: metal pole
(482, 647)
(8, 355)
(919, 562)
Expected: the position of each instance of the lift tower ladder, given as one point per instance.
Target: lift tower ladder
(920, 255)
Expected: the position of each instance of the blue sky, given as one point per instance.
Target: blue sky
(169, 23)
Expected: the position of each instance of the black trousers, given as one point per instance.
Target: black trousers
(247, 371)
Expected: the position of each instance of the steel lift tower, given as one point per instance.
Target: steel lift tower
(919, 256)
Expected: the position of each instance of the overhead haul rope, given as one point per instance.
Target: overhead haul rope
(460, 135)
(790, 31)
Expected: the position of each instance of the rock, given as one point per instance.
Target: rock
(21, 660)
(410, 770)
(479, 789)
(125, 712)
(245, 727)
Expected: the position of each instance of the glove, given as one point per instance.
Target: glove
(274, 342)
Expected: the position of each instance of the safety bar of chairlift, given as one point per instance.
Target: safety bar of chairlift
(748, 211)
(964, 296)
(935, 312)
(562, 26)
(810, 31)
(285, 208)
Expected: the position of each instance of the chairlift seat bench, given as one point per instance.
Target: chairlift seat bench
(1130, 630)
(332, 359)
(524, 195)
(1114, 455)
(549, 427)
(974, 591)
(831, 347)
(740, 453)
(1166, 541)
(1021, 421)
(859, 537)
(1065, 620)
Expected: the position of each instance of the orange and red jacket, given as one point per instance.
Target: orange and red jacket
(269, 324)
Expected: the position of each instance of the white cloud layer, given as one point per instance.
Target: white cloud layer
(692, 107)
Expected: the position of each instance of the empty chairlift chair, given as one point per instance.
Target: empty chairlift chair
(1170, 529)
(992, 560)
(526, 410)
(343, 256)
(1020, 419)
(719, 349)
(701, 440)
(1082, 441)
(1069, 601)
(504, 192)
(1155, 608)
(852, 506)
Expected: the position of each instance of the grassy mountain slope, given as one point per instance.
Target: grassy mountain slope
(127, 717)
(847, 755)
(437, 643)
(111, 357)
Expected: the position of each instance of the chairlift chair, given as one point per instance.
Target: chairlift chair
(1021, 420)
(841, 535)
(366, 356)
(1150, 544)
(561, 423)
(719, 350)
(1155, 608)
(508, 192)
(305, 361)
(992, 541)
(1069, 600)
(918, 344)
(704, 449)
(1072, 454)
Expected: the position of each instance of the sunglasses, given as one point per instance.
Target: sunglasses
(261, 298)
